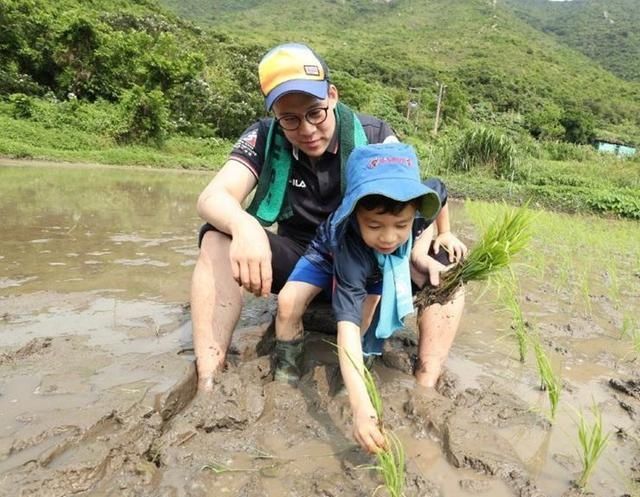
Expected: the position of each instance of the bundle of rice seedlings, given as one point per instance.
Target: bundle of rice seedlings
(494, 252)
(592, 443)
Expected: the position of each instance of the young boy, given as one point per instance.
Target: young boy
(360, 257)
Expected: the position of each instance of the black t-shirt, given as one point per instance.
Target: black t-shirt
(313, 192)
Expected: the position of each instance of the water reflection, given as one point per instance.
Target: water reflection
(70, 229)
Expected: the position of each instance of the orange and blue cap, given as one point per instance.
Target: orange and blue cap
(292, 68)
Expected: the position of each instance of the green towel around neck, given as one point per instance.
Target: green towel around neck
(270, 203)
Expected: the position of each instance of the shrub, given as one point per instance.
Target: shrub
(619, 202)
(545, 124)
(578, 126)
(22, 106)
(562, 151)
(144, 117)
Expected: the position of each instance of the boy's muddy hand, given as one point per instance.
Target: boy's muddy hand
(366, 431)
(427, 265)
(454, 247)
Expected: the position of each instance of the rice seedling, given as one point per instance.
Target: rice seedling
(549, 380)
(631, 331)
(219, 468)
(494, 252)
(614, 284)
(586, 293)
(517, 319)
(592, 441)
(390, 463)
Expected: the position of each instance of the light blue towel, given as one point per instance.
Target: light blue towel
(396, 302)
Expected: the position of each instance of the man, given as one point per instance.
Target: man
(295, 162)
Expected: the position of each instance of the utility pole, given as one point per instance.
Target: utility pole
(413, 105)
(442, 89)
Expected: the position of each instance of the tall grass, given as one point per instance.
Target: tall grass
(592, 441)
(483, 148)
(494, 252)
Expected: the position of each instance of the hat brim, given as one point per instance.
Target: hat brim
(404, 190)
(318, 89)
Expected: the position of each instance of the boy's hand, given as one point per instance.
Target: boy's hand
(427, 266)
(366, 431)
(454, 247)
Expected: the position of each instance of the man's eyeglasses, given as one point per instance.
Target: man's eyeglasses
(314, 116)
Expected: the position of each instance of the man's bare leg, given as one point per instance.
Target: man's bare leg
(437, 327)
(216, 302)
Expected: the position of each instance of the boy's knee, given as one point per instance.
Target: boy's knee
(290, 306)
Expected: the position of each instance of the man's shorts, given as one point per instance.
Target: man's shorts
(285, 253)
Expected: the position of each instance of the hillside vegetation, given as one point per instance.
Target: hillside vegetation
(606, 31)
(488, 57)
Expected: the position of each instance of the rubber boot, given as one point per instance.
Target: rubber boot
(288, 359)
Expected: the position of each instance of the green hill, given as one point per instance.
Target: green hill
(489, 57)
(606, 31)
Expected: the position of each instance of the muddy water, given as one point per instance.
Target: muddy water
(96, 379)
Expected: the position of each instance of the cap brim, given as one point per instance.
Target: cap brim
(318, 89)
(403, 191)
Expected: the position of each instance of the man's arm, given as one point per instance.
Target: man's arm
(220, 204)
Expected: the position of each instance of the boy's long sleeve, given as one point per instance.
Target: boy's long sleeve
(355, 271)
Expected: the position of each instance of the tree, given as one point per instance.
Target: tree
(578, 126)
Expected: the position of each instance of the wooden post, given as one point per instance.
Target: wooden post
(441, 94)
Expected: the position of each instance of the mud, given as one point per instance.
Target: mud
(98, 389)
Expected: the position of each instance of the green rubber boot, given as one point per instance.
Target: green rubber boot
(287, 360)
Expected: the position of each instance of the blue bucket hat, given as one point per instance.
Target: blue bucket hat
(388, 169)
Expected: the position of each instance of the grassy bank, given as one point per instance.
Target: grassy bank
(584, 181)
(41, 140)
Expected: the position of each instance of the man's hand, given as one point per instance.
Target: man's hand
(454, 247)
(366, 430)
(250, 256)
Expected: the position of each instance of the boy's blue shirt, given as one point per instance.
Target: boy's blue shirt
(354, 265)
